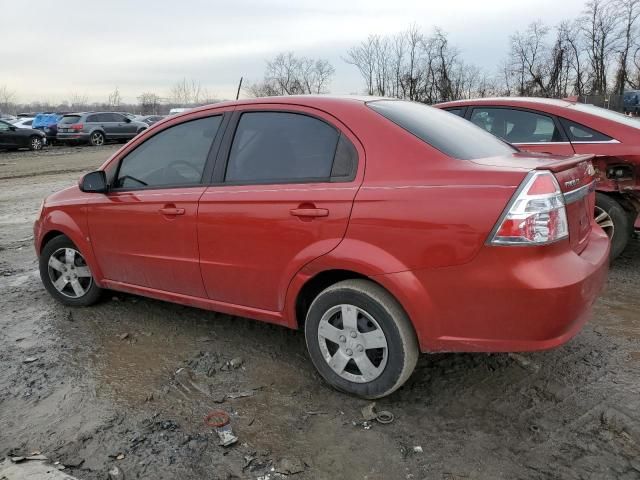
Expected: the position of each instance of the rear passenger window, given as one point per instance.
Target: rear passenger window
(580, 133)
(273, 147)
(455, 111)
(517, 126)
(174, 157)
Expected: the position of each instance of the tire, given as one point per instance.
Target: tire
(96, 139)
(615, 221)
(35, 143)
(377, 315)
(53, 259)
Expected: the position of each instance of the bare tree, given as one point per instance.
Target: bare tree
(416, 66)
(78, 101)
(186, 92)
(7, 99)
(600, 29)
(630, 10)
(115, 99)
(149, 103)
(287, 74)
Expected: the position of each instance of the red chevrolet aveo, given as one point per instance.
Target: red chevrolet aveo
(382, 227)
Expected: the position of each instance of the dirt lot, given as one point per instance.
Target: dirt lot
(103, 386)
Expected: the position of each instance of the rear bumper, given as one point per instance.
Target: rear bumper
(507, 299)
(69, 137)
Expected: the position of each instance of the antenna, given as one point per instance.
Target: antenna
(239, 86)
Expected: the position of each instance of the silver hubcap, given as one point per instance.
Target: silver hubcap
(36, 143)
(605, 221)
(69, 273)
(97, 139)
(352, 343)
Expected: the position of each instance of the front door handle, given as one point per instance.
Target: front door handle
(171, 211)
(309, 212)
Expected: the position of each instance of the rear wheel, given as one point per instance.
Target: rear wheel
(360, 339)
(615, 221)
(35, 143)
(66, 275)
(96, 139)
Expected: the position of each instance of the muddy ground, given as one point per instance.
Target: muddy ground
(128, 382)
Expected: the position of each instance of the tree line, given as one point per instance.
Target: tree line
(595, 54)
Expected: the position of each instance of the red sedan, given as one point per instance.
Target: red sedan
(564, 127)
(382, 228)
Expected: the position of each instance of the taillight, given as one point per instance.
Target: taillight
(77, 127)
(536, 214)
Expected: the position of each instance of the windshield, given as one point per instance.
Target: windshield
(445, 131)
(608, 114)
(69, 119)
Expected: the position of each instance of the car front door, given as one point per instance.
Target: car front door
(527, 130)
(143, 231)
(4, 134)
(285, 181)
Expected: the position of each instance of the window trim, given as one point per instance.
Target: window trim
(553, 117)
(208, 165)
(224, 153)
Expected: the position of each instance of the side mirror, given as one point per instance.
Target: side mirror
(13, 128)
(127, 120)
(94, 182)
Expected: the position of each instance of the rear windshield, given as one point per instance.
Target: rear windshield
(69, 119)
(450, 134)
(608, 114)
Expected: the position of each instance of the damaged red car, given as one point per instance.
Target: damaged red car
(564, 127)
(382, 228)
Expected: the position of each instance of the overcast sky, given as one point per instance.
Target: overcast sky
(51, 49)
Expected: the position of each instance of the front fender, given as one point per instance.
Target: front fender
(72, 224)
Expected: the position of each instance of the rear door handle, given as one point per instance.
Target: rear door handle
(171, 211)
(309, 212)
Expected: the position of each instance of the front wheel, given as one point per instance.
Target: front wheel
(96, 139)
(66, 275)
(615, 221)
(360, 339)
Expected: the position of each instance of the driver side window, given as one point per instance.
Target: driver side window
(174, 157)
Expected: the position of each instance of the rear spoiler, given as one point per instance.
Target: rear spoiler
(562, 165)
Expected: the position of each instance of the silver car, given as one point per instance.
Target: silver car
(96, 128)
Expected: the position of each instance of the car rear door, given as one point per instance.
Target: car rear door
(112, 124)
(143, 231)
(532, 131)
(284, 185)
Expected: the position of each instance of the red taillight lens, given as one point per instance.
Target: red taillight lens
(77, 127)
(536, 215)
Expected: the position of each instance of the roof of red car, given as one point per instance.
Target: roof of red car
(509, 101)
(308, 100)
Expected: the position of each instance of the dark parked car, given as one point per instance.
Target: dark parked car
(98, 127)
(632, 102)
(12, 137)
(151, 119)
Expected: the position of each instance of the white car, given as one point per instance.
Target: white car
(23, 122)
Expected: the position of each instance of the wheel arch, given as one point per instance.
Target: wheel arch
(60, 223)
